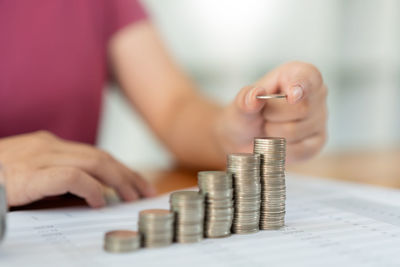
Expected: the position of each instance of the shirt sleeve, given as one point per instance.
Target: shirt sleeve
(120, 13)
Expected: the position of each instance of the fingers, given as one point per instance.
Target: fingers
(104, 167)
(306, 148)
(145, 188)
(301, 117)
(60, 180)
(279, 110)
(246, 101)
(43, 165)
(299, 80)
(94, 165)
(303, 85)
(295, 131)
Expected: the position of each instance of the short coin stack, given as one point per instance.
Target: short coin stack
(273, 152)
(156, 227)
(245, 168)
(216, 186)
(188, 207)
(3, 204)
(121, 241)
(3, 211)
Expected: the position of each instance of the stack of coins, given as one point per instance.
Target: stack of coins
(245, 168)
(156, 227)
(216, 187)
(3, 204)
(111, 196)
(273, 194)
(188, 207)
(121, 241)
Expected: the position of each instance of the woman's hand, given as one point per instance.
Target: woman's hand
(301, 118)
(39, 164)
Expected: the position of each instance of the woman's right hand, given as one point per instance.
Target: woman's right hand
(39, 165)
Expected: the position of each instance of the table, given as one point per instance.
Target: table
(377, 167)
(327, 223)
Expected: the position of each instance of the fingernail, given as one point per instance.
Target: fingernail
(297, 93)
(248, 96)
(252, 94)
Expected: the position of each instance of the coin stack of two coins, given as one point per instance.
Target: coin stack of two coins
(216, 186)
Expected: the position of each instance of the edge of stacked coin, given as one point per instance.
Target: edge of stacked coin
(216, 186)
(273, 196)
(156, 227)
(3, 212)
(245, 168)
(3, 205)
(120, 241)
(188, 207)
(256, 182)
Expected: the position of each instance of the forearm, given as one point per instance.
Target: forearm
(191, 134)
(165, 96)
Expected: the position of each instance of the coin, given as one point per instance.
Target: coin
(216, 187)
(3, 205)
(188, 208)
(111, 196)
(271, 96)
(156, 227)
(245, 169)
(272, 151)
(119, 241)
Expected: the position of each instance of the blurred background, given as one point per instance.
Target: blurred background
(226, 44)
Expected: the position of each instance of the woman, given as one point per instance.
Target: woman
(56, 56)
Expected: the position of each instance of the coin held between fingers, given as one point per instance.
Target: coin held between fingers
(272, 96)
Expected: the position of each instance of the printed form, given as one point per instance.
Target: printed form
(328, 223)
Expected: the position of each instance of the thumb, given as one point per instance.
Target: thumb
(299, 81)
(285, 81)
(246, 101)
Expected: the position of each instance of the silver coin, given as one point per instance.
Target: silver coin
(188, 207)
(272, 152)
(245, 169)
(156, 227)
(189, 238)
(3, 210)
(186, 197)
(271, 96)
(119, 241)
(216, 186)
(3, 204)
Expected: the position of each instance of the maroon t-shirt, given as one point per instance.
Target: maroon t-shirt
(53, 63)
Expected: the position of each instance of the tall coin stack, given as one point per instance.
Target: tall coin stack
(245, 168)
(156, 227)
(188, 207)
(273, 195)
(216, 187)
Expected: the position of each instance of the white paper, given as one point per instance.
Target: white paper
(328, 223)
